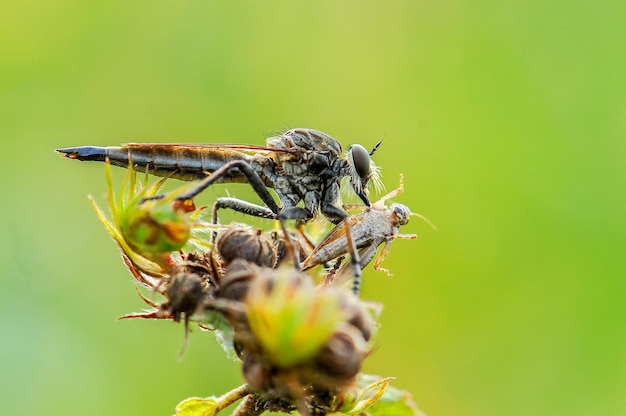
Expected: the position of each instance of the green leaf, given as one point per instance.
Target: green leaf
(395, 402)
(374, 397)
(370, 395)
(367, 391)
(197, 406)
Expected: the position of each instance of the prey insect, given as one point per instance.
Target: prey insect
(299, 165)
(374, 226)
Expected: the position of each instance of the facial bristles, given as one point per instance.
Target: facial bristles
(356, 180)
(375, 178)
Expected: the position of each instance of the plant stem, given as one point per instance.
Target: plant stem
(231, 397)
(248, 407)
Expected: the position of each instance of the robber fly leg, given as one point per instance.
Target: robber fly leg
(354, 259)
(240, 206)
(253, 179)
(310, 245)
(331, 211)
(292, 213)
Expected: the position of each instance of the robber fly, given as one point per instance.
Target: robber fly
(374, 226)
(300, 165)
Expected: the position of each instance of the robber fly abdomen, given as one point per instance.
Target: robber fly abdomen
(184, 162)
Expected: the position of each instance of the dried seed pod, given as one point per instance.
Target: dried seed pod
(188, 287)
(185, 292)
(244, 242)
(236, 280)
(263, 248)
(342, 355)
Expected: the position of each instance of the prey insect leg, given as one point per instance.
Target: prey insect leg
(385, 250)
(381, 257)
(394, 193)
(330, 276)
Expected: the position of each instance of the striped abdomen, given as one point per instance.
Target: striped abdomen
(184, 162)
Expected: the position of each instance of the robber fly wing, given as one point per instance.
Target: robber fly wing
(182, 161)
(246, 148)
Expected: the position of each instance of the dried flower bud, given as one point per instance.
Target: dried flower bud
(236, 280)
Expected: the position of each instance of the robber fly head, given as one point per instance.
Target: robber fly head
(362, 169)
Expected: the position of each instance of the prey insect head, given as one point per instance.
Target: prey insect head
(401, 213)
(362, 169)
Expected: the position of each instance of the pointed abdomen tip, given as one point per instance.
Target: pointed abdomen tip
(83, 152)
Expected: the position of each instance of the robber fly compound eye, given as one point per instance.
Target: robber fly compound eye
(361, 161)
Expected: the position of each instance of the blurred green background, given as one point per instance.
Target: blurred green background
(507, 118)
